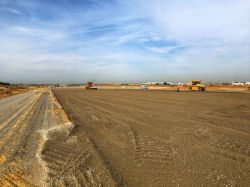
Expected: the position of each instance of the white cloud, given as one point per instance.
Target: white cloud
(38, 33)
(214, 34)
(164, 50)
(196, 20)
(12, 10)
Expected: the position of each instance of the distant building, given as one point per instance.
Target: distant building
(181, 84)
(153, 83)
(239, 83)
(169, 83)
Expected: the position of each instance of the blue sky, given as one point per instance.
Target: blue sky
(73, 41)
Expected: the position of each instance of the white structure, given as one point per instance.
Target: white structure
(240, 83)
(170, 83)
(181, 84)
(153, 83)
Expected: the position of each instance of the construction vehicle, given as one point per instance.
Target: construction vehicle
(196, 85)
(90, 86)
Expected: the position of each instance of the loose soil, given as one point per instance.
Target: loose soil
(157, 138)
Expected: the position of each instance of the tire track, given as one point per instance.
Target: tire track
(65, 164)
(226, 146)
(150, 150)
(116, 180)
(70, 161)
(10, 118)
(116, 116)
(14, 178)
(8, 140)
(215, 121)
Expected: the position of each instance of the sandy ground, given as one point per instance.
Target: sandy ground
(213, 88)
(161, 138)
(36, 148)
(124, 138)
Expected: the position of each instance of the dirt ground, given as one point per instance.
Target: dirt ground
(213, 88)
(124, 138)
(160, 138)
(24, 119)
(6, 92)
(36, 149)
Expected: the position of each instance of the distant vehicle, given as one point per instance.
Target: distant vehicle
(90, 86)
(144, 87)
(196, 85)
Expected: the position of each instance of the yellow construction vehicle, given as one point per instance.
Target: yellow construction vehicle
(196, 85)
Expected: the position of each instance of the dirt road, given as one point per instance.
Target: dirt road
(157, 138)
(24, 121)
(35, 147)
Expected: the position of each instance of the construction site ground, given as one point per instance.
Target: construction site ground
(124, 138)
(36, 149)
(163, 138)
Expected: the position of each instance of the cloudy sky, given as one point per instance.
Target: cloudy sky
(71, 41)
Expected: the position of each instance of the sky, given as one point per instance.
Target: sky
(118, 41)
